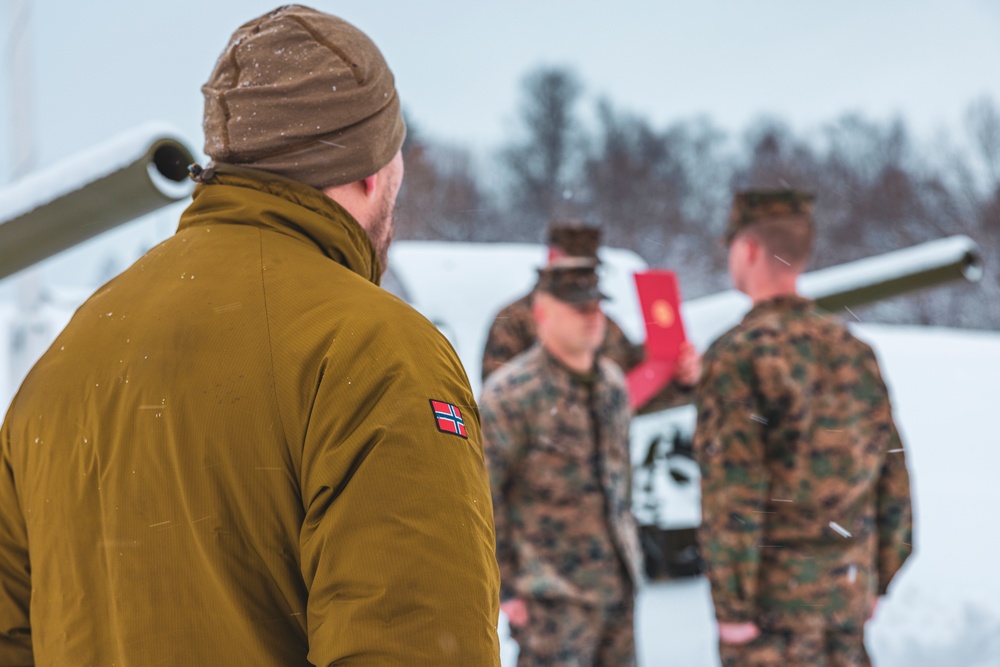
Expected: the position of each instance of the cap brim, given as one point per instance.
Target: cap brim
(584, 297)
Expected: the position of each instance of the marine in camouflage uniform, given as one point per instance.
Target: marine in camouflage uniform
(805, 491)
(556, 444)
(513, 329)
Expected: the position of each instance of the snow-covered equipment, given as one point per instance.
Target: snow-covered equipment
(51, 210)
(844, 286)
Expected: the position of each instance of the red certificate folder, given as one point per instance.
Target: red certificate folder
(659, 298)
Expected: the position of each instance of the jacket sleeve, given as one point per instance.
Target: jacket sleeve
(15, 571)
(893, 510)
(505, 340)
(495, 352)
(730, 450)
(397, 543)
(503, 443)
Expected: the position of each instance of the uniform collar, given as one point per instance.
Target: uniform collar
(236, 195)
(566, 374)
(786, 303)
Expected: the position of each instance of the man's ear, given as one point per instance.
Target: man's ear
(537, 309)
(751, 249)
(369, 184)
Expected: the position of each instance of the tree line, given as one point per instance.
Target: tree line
(664, 192)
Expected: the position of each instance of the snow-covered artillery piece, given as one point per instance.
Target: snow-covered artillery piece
(52, 210)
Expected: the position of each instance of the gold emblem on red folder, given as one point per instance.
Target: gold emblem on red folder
(663, 313)
(660, 301)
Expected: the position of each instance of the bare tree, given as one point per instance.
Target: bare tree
(635, 184)
(441, 198)
(666, 193)
(775, 158)
(540, 166)
(983, 126)
(982, 121)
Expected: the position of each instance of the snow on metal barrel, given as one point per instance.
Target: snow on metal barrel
(118, 181)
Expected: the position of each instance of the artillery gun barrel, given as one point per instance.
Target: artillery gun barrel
(54, 209)
(876, 278)
(847, 285)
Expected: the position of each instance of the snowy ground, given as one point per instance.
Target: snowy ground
(944, 608)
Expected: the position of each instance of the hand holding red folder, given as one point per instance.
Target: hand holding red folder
(659, 298)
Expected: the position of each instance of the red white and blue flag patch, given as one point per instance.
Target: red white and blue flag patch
(449, 418)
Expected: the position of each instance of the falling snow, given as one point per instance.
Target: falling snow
(840, 530)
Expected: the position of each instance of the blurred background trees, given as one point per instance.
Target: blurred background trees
(664, 192)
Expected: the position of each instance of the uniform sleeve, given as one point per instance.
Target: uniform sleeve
(503, 442)
(894, 513)
(397, 541)
(730, 450)
(509, 336)
(15, 571)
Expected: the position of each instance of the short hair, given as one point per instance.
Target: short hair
(789, 239)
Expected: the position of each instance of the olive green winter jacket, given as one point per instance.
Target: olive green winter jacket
(231, 457)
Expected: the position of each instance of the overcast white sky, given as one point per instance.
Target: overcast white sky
(102, 66)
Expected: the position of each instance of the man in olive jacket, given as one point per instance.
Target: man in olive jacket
(242, 451)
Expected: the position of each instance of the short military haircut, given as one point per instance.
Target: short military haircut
(788, 240)
(780, 220)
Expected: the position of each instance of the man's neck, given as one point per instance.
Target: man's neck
(771, 289)
(581, 363)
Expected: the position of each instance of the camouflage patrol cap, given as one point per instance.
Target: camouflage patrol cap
(574, 239)
(753, 206)
(571, 280)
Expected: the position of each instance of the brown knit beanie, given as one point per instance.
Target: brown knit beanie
(305, 95)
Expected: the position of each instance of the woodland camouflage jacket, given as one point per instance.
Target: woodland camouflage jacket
(557, 451)
(805, 491)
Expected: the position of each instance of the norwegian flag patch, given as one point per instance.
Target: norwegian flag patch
(449, 419)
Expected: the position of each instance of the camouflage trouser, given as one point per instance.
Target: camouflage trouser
(564, 634)
(815, 646)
